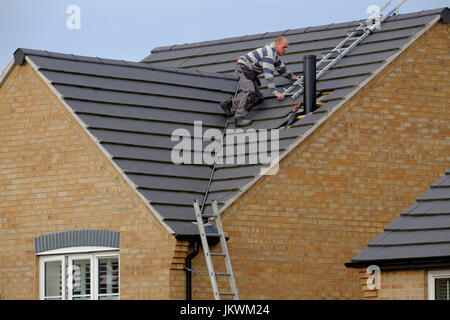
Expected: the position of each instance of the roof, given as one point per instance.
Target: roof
(220, 55)
(421, 232)
(131, 109)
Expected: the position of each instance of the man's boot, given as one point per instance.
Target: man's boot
(242, 122)
(227, 107)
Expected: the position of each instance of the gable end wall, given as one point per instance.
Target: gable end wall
(53, 177)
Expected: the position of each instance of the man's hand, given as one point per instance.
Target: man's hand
(295, 78)
(279, 96)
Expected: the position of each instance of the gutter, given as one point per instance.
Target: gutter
(403, 264)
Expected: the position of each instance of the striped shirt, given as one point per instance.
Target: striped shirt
(266, 60)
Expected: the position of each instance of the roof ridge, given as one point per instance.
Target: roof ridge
(268, 35)
(20, 53)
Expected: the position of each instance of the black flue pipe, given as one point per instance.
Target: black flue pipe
(309, 83)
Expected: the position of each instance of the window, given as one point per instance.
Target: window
(439, 285)
(86, 276)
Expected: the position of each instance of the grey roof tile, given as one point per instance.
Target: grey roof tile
(403, 252)
(444, 182)
(429, 208)
(168, 183)
(145, 113)
(161, 168)
(164, 196)
(421, 231)
(436, 193)
(419, 223)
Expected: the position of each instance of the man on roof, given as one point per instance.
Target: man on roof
(266, 61)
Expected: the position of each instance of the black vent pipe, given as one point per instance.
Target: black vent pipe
(309, 83)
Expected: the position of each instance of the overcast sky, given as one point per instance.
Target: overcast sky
(130, 29)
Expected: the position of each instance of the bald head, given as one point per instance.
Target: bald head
(281, 39)
(282, 44)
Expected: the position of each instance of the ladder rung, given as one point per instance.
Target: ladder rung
(356, 32)
(227, 293)
(222, 274)
(324, 54)
(217, 254)
(212, 235)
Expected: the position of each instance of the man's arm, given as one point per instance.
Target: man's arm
(283, 71)
(269, 66)
(280, 67)
(268, 71)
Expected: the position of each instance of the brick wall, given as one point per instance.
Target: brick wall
(54, 178)
(398, 285)
(290, 234)
(403, 285)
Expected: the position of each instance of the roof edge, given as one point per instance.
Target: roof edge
(403, 264)
(269, 35)
(6, 72)
(446, 15)
(21, 53)
(84, 127)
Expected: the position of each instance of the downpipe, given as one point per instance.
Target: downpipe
(188, 269)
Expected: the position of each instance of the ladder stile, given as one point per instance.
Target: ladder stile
(206, 251)
(208, 254)
(223, 243)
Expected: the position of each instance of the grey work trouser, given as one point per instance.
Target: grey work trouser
(250, 94)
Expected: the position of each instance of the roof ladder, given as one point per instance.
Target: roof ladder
(351, 41)
(208, 254)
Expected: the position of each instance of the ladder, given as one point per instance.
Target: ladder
(208, 254)
(352, 40)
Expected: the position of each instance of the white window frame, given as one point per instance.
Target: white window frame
(66, 263)
(432, 276)
(43, 260)
(96, 259)
(70, 260)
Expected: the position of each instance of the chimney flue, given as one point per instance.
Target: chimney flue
(309, 83)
